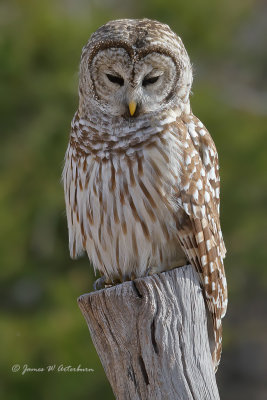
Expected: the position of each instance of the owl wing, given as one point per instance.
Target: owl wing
(73, 176)
(200, 232)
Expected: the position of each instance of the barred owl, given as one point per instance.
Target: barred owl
(141, 175)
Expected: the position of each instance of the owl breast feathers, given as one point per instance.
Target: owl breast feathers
(141, 175)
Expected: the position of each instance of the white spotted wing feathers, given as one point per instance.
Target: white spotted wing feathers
(200, 234)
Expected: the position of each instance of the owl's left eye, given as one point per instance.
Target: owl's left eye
(115, 79)
(150, 81)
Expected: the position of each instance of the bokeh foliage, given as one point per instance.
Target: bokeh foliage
(40, 46)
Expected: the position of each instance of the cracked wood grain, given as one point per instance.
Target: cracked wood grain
(151, 336)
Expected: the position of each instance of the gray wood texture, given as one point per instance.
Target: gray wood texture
(151, 335)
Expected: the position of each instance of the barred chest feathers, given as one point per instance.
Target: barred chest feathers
(122, 198)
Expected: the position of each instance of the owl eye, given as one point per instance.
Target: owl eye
(115, 79)
(149, 81)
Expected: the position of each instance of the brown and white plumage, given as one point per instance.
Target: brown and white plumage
(142, 191)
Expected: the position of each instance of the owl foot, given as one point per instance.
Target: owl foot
(101, 283)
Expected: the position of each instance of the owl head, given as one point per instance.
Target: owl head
(131, 68)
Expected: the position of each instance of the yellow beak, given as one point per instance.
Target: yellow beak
(132, 107)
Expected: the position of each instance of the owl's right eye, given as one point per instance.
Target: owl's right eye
(115, 79)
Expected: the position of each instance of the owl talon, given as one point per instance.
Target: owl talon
(99, 284)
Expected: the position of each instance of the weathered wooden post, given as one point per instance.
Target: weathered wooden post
(151, 335)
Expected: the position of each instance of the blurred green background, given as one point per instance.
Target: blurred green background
(40, 46)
